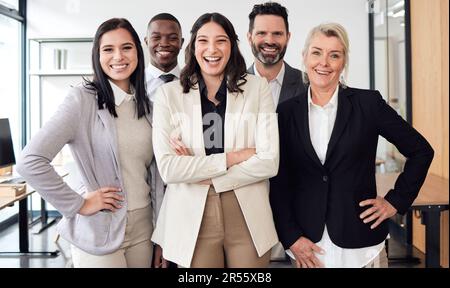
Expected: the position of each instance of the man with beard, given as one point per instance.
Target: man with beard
(268, 35)
(164, 41)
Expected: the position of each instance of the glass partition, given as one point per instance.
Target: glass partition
(390, 69)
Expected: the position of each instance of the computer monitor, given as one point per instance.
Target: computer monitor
(6, 145)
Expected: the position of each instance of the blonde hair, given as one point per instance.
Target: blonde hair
(329, 30)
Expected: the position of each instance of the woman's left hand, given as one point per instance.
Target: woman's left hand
(205, 182)
(181, 150)
(381, 210)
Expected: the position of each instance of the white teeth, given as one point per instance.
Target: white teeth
(269, 49)
(322, 72)
(212, 59)
(164, 53)
(121, 66)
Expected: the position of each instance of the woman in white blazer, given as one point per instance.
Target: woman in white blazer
(107, 124)
(216, 144)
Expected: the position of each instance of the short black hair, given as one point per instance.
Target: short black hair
(164, 16)
(268, 8)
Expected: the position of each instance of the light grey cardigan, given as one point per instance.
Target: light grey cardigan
(91, 135)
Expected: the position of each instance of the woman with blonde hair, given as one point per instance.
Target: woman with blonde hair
(324, 198)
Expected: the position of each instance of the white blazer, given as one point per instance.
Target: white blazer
(250, 121)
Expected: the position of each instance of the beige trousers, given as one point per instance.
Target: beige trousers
(224, 239)
(135, 252)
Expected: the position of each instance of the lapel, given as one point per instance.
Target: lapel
(251, 70)
(342, 116)
(110, 127)
(302, 121)
(193, 109)
(290, 82)
(234, 112)
(149, 115)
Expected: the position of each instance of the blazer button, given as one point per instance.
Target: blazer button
(325, 178)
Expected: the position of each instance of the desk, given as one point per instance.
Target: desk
(23, 220)
(431, 201)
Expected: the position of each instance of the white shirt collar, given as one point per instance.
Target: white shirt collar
(331, 104)
(278, 79)
(153, 72)
(120, 95)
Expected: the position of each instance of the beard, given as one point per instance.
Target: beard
(269, 60)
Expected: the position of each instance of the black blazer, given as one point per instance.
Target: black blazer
(306, 195)
(292, 83)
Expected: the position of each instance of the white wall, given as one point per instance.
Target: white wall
(80, 18)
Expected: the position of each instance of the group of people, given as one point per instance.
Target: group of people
(213, 164)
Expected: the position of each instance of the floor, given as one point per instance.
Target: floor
(45, 242)
(9, 241)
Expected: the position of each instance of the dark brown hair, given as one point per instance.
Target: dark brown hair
(268, 8)
(235, 70)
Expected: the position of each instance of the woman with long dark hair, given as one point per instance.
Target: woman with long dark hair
(107, 124)
(216, 144)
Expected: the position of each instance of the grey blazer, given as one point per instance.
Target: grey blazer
(292, 83)
(91, 135)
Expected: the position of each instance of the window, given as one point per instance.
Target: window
(10, 4)
(10, 86)
(12, 93)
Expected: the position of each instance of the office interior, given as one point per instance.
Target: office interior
(399, 47)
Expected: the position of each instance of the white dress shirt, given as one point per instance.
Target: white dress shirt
(152, 78)
(275, 84)
(120, 95)
(321, 123)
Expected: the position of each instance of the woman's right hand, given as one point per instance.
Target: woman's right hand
(103, 198)
(237, 157)
(304, 251)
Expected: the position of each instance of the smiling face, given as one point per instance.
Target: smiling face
(164, 42)
(269, 39)
(118, 56)
(212, 50)
(324, 61)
